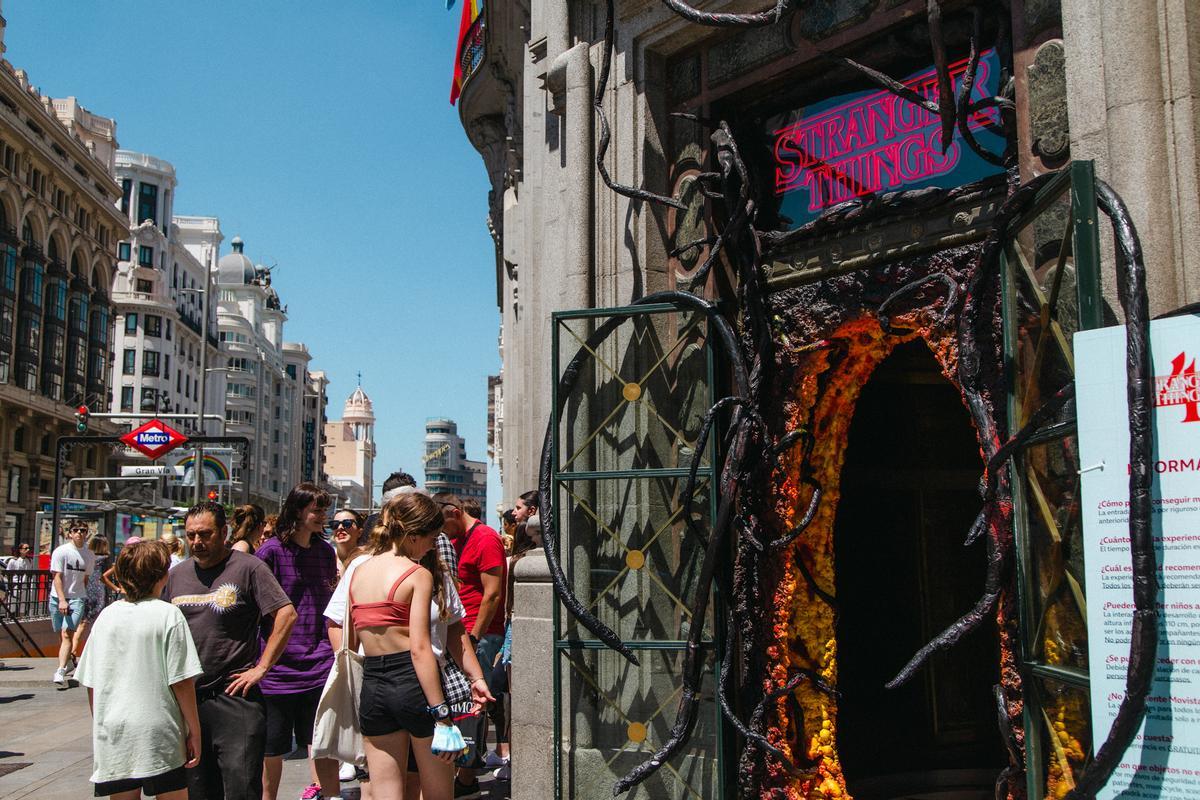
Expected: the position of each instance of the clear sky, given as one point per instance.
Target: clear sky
(322, 134)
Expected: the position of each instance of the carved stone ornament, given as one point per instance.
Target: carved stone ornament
(1048, 121)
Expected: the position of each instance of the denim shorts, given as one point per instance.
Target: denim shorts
(391, 698)
(69, 621)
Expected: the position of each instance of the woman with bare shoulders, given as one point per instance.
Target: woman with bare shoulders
(401, 703)
(248, 525)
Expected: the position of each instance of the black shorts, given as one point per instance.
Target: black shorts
(288, 716)
(391, 698)
(164, 782)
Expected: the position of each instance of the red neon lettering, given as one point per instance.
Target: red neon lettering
(875, 143)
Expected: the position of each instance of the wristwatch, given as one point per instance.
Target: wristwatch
(440, 712)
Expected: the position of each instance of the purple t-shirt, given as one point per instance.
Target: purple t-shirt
(307, 576)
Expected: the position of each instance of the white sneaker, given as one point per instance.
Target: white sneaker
(504, 773)
(60, 677)
(71, 665)
(346, 772)
(493, 760)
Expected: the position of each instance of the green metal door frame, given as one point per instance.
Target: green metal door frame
(1079, 245)
(563, 477)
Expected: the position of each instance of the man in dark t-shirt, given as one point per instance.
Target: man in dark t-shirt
(224, 594)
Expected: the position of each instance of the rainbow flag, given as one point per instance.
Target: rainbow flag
(466, 55)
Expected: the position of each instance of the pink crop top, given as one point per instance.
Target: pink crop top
(385, 612)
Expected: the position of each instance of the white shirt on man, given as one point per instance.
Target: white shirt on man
(75, 564)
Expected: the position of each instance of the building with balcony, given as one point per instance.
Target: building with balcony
(310, 449)
(262, 398)
(762, 164)
(304, 436)
(160, 294)
(447, 468)
(350, 452)
(59, 226)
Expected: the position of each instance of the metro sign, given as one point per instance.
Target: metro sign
(154, 439)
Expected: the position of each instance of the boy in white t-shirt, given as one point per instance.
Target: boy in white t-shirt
(70, 565)
(139, 666)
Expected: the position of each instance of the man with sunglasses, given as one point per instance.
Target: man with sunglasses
(70, 565)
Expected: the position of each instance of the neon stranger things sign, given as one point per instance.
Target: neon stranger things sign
(873, 141)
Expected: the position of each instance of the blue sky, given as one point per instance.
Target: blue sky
(321, 133)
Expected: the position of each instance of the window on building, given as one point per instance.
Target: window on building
(127, 398)
(14, 484)
(126, 191)
(19, 439)
(291, 371)
(124, 252)
(129, 357)
(144, 286)
(178, 381)
(166, 365)
(153, 325)
(131, 323)
(150, 363)
(147, 203)
(146, 256)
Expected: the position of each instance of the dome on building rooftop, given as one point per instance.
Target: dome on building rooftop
(358, 405)
(235, 268)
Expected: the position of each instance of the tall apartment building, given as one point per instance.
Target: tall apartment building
(310, 447)
(350, 452)
(262, 399)
(447, 468)
(58, 231)
(160, 293)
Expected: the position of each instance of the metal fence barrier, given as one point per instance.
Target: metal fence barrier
(26, 592)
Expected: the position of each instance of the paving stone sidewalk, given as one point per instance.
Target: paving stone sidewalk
(46, 740)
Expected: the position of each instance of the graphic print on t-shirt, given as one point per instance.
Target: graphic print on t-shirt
(220, 600)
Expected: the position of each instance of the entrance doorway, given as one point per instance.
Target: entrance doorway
(909, 495)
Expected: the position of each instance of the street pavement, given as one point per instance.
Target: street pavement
(46, 741)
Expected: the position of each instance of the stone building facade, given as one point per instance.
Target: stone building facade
(59, 227)
(262, 398)
(349, 445)
(1111, 84)
(159, 296)
(447, 468)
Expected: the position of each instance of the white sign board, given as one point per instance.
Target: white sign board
(149, 471)
(1164, 759)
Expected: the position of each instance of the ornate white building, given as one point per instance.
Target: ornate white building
(58, 231)
(350, 451)
(263, 400)
(159, 296)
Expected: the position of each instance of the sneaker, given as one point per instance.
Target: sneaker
(346, 772)
(466, 791)
(493, 760)
(71, 665)
(504, 773)
(313, 792)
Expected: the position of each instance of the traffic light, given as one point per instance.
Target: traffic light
(81, 419)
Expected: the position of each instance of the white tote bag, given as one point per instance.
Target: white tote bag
(335, 732)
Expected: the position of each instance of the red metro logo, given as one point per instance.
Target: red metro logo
(154, 439)
(1180, 388)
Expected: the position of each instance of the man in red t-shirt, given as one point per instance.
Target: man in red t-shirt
(482, 581)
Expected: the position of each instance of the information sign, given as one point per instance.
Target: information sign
(154, 439)
(1164, 759)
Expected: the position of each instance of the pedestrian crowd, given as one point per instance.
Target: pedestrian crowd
(380, 645)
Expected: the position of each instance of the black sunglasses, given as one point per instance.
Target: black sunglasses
(342, 523)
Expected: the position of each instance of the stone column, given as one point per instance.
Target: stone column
(1132, 97)
(532, 685)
